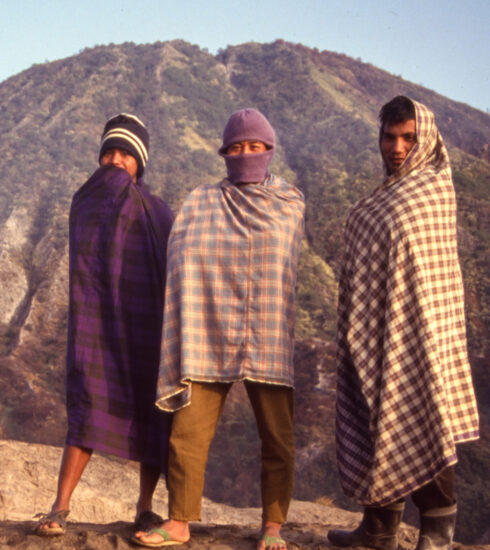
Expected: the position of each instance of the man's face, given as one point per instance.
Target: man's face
(246, 148)
(396, 142)
(121, 159)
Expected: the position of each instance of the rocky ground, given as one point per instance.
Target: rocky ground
(205, 536)
(117, 536)
(103, 509)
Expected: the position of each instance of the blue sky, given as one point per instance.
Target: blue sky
(442, 44)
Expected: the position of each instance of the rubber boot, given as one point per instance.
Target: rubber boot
(437, 528)
(378, 529)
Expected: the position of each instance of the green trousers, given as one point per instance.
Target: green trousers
(193, 429)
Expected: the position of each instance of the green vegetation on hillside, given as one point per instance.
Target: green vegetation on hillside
(324, 108)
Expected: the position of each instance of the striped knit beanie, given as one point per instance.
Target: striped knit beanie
(127, 132)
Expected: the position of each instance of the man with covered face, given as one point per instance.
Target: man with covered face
(404, 392)
(229, 317)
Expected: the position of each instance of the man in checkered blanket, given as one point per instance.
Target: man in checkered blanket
(229, 316)
(404, 394)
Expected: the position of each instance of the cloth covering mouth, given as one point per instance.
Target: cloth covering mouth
(250, 168)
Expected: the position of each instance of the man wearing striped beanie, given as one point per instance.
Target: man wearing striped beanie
(118, 240)
(125, 143)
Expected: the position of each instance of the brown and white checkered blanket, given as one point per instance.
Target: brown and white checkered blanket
(405, 394)
(229, 302)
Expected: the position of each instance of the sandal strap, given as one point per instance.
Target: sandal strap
(164, 534)
(269, 540)
(58, 517)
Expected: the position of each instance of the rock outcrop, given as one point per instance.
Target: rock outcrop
(103, 508)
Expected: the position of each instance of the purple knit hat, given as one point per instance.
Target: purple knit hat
(248, 125)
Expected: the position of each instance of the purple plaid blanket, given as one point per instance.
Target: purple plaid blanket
(118, 238)
(405, 394)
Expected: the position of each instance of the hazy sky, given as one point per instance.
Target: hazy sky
(442, 44)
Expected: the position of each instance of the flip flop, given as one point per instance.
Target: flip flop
(166, 536)
(269, 541)
(58, 517)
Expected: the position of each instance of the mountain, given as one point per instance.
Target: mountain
(324, 107)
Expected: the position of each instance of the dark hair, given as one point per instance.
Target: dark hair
(399, 109)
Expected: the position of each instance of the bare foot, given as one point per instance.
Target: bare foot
(270, 537)
(178, 530)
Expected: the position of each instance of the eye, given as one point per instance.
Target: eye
(235, 148)
(258, 147)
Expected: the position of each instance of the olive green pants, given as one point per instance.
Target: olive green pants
(193, 429)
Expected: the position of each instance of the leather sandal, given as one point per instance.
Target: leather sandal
(43, 527)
